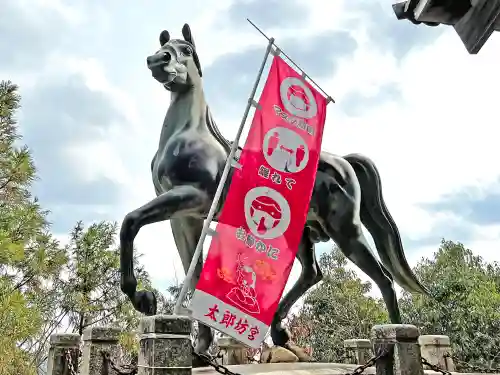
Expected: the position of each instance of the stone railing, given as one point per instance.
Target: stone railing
(165, 348)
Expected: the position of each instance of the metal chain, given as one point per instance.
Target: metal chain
(212, 362)
(435, 367)
(371, 362)
(472, 367)
(130, 369)
(69, 362)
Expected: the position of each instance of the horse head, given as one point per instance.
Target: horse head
(176, 64)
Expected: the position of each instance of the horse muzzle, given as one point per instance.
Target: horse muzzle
(159, 64)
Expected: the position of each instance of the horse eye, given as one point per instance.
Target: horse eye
(187, 51)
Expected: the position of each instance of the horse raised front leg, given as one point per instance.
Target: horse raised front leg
(346, 231)
(180, 201)
(309, 276)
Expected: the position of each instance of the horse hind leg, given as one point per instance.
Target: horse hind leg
(181, 200)
(343, 227)
(355, 248)
(309, 276)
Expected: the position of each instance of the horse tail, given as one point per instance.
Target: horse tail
(379, 222)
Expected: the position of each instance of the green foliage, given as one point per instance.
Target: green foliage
(17, 322)
(30, 259)
(90, 290)
(465, 304)
(337, 309)
(45, 287)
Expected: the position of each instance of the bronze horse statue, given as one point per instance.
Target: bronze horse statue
(186, 170)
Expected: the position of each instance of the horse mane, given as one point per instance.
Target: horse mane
(214, 130)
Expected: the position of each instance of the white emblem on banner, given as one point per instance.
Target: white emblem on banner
(267, 212)
(297, 98)
(285, 150)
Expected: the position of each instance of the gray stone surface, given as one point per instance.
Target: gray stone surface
(358, 351)
(97, 340)
(400, 341)
(165, 324)
(233, 352)
(60, 344)
(165, 345)
(395, 332)
(101, 334)
(299, 368)
(65, 339)
(434, 348)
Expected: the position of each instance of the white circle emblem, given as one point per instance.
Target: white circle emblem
(297, 98)
(285, 150)
(267, 212)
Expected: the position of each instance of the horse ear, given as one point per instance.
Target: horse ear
(164, 37)
(186, 33)
(188, 37)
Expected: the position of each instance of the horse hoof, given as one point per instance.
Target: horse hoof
(144, 301)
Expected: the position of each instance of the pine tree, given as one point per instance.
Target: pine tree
(30, 258)
(90, 287)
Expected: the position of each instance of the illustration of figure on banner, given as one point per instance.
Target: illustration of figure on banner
(267, 212)
(243, 294)
(297, 98)
(273, 143)
(285, 150)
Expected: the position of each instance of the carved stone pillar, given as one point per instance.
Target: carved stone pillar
(400, 342)
(165, 345)
(64, 352)
(434, 348)
(358, 351)
(95, 341)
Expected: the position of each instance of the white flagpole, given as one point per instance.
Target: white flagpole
(304, 74)
(206, 226)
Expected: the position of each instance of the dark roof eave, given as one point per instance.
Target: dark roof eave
(404, 11)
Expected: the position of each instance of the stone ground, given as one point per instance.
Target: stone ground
(297, 369)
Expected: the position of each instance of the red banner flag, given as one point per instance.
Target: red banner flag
(262, 220)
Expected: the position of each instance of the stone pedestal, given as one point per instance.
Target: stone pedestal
(233, 352)
(400, 341)
(96, 340)
(358, 351)
(434, 348)
(62, 345)
(165, 345)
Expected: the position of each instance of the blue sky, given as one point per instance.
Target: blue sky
(409, 97)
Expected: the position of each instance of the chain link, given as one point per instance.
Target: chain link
(371, 362)
(435, 367)
(212, 362)
(69, 362)
(474, 368)
(130, 369)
